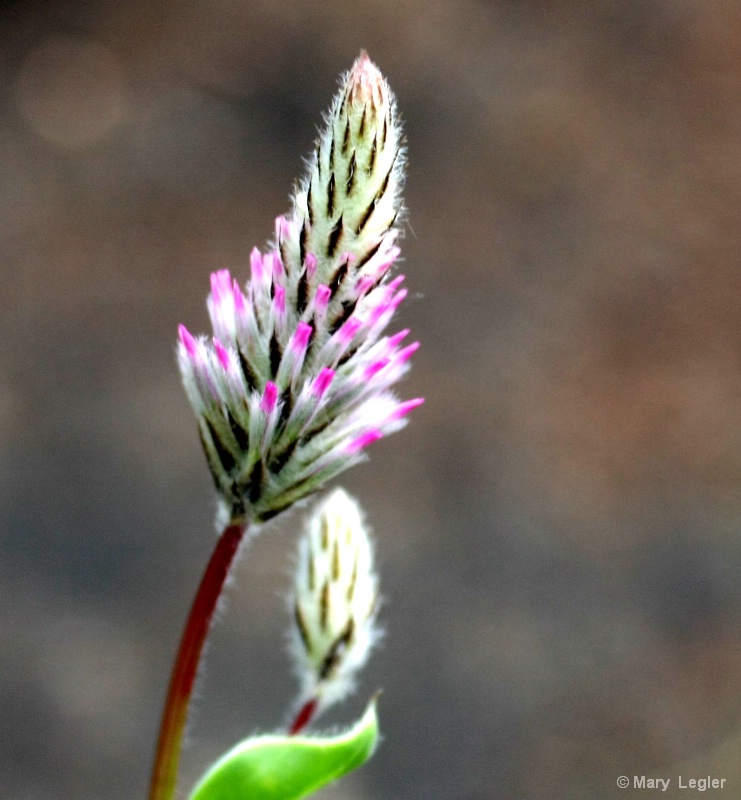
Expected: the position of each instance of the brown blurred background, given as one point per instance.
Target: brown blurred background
(559, 528)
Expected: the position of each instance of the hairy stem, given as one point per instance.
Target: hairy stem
(185, 669)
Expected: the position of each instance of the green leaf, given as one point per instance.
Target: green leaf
(288, 767)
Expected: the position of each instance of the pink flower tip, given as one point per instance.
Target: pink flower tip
(310, 262)
(239, 304)
(189, 343)
(269, 398)
(280, 300)
(256, 265)
(398, 337)
(222, 354)
(302, 336)
(407, 352)
(347, 332)
(362, 441)
(404, 408)
(323, 293)
(398, 297)
(277, 265)
(322, 381)
(221, 282)
(282, 227)
(365, 78)
(375, 368)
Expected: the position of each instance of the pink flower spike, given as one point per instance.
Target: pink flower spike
(362, 441)
(189, 343)
(322, 381)
(310, 262)
(269, 398)
(404, 408)
(301, 338)
(397, 281)
(222, 354)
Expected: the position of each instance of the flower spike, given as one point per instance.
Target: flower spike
(287, 391)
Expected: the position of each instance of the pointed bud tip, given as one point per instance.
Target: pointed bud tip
(362, 441)
(269, 398)
(364, 79)
(221, 353)
(189, 343)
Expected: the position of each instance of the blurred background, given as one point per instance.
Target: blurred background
(559, 527)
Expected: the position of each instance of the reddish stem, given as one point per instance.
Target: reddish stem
(304, 716)
(185, 669)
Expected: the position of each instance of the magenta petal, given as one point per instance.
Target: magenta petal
(282, 228)
(398, 337)
(257, 267)
(362, 441)
(221, 282)
(407, 352)
(189, 343)
(301, 337)
(349, 330)
(279, 301)
(323, 294)
(310, 262)
(375, 367)
(222, 354)
(404, 408)
(269, 398)
(239, 301)
(322, 381)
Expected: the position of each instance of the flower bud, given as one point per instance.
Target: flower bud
(334, 600)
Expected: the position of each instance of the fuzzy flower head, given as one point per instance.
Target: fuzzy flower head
(335, 600)
(296, 381)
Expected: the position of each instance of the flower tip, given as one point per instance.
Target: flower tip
(322, 381)
(405, 354)
(362, 441)
(221, 353)
(409, 405)
(187, 340)
(269, 398)
(364, 78)
(301, 338)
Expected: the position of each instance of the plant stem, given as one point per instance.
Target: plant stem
(185, 669)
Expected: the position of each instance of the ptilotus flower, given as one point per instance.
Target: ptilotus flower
(296, 380)
(334, 602)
